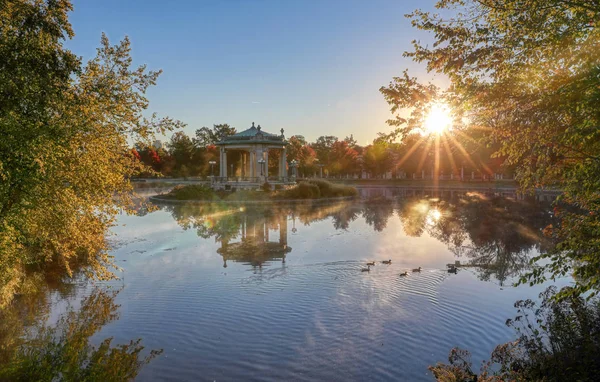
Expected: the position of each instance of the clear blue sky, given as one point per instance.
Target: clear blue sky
(312, 67)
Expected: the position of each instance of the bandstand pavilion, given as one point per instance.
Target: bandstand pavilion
(252, 167)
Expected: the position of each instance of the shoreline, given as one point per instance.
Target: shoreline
(501, 185)
(157, 198)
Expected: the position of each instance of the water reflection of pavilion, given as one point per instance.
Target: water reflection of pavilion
(255, 247)
(495, 234)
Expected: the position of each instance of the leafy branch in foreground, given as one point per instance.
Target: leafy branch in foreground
(558, 340)
(525, 80)
(64, 158)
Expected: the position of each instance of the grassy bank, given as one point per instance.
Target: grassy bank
(310, 189)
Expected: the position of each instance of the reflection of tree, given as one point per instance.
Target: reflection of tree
(342, 213)
(64, 352)
(33, 306)
(209, 220)
(376, 212)
(413, 214)
(495, 234)
(243, 231)
(342, 218)
(494, 260)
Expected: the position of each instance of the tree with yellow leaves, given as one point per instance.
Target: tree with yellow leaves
(64, 158)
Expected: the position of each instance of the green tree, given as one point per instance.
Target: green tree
(352, 143)
(377, 158)
(343, 158)
(527, 73)
(295, 144)
(65, 161)
(182, 150)
(322, 148)
(34, 81)
(206, 136)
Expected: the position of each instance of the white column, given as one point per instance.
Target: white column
(283, 163)
(224, 164)
(266, 163)
(247, 164)
(221, 150)
(243, 164)
(280, 172)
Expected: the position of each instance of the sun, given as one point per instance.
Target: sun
(438, 120)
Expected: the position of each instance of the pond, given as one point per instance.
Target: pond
(276, 292)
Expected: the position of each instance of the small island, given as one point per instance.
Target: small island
(307, 190)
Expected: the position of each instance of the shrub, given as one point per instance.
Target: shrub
(331, 190)
(558, 341)
(324, 186)
(303, 190)
(243, 195)
(192, 192)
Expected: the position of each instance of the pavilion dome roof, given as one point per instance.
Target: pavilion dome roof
(253, 134)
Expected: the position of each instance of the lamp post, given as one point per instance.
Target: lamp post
(261, 161)
(293, 166)
(232, 174)
(320, 166)
(212, 164)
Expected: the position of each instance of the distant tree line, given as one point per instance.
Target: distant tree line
(387, 156)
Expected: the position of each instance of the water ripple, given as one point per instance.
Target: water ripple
(305, 321)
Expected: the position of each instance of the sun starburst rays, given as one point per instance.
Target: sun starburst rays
(442, 144)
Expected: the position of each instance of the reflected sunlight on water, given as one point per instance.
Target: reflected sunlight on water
(276, 292)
